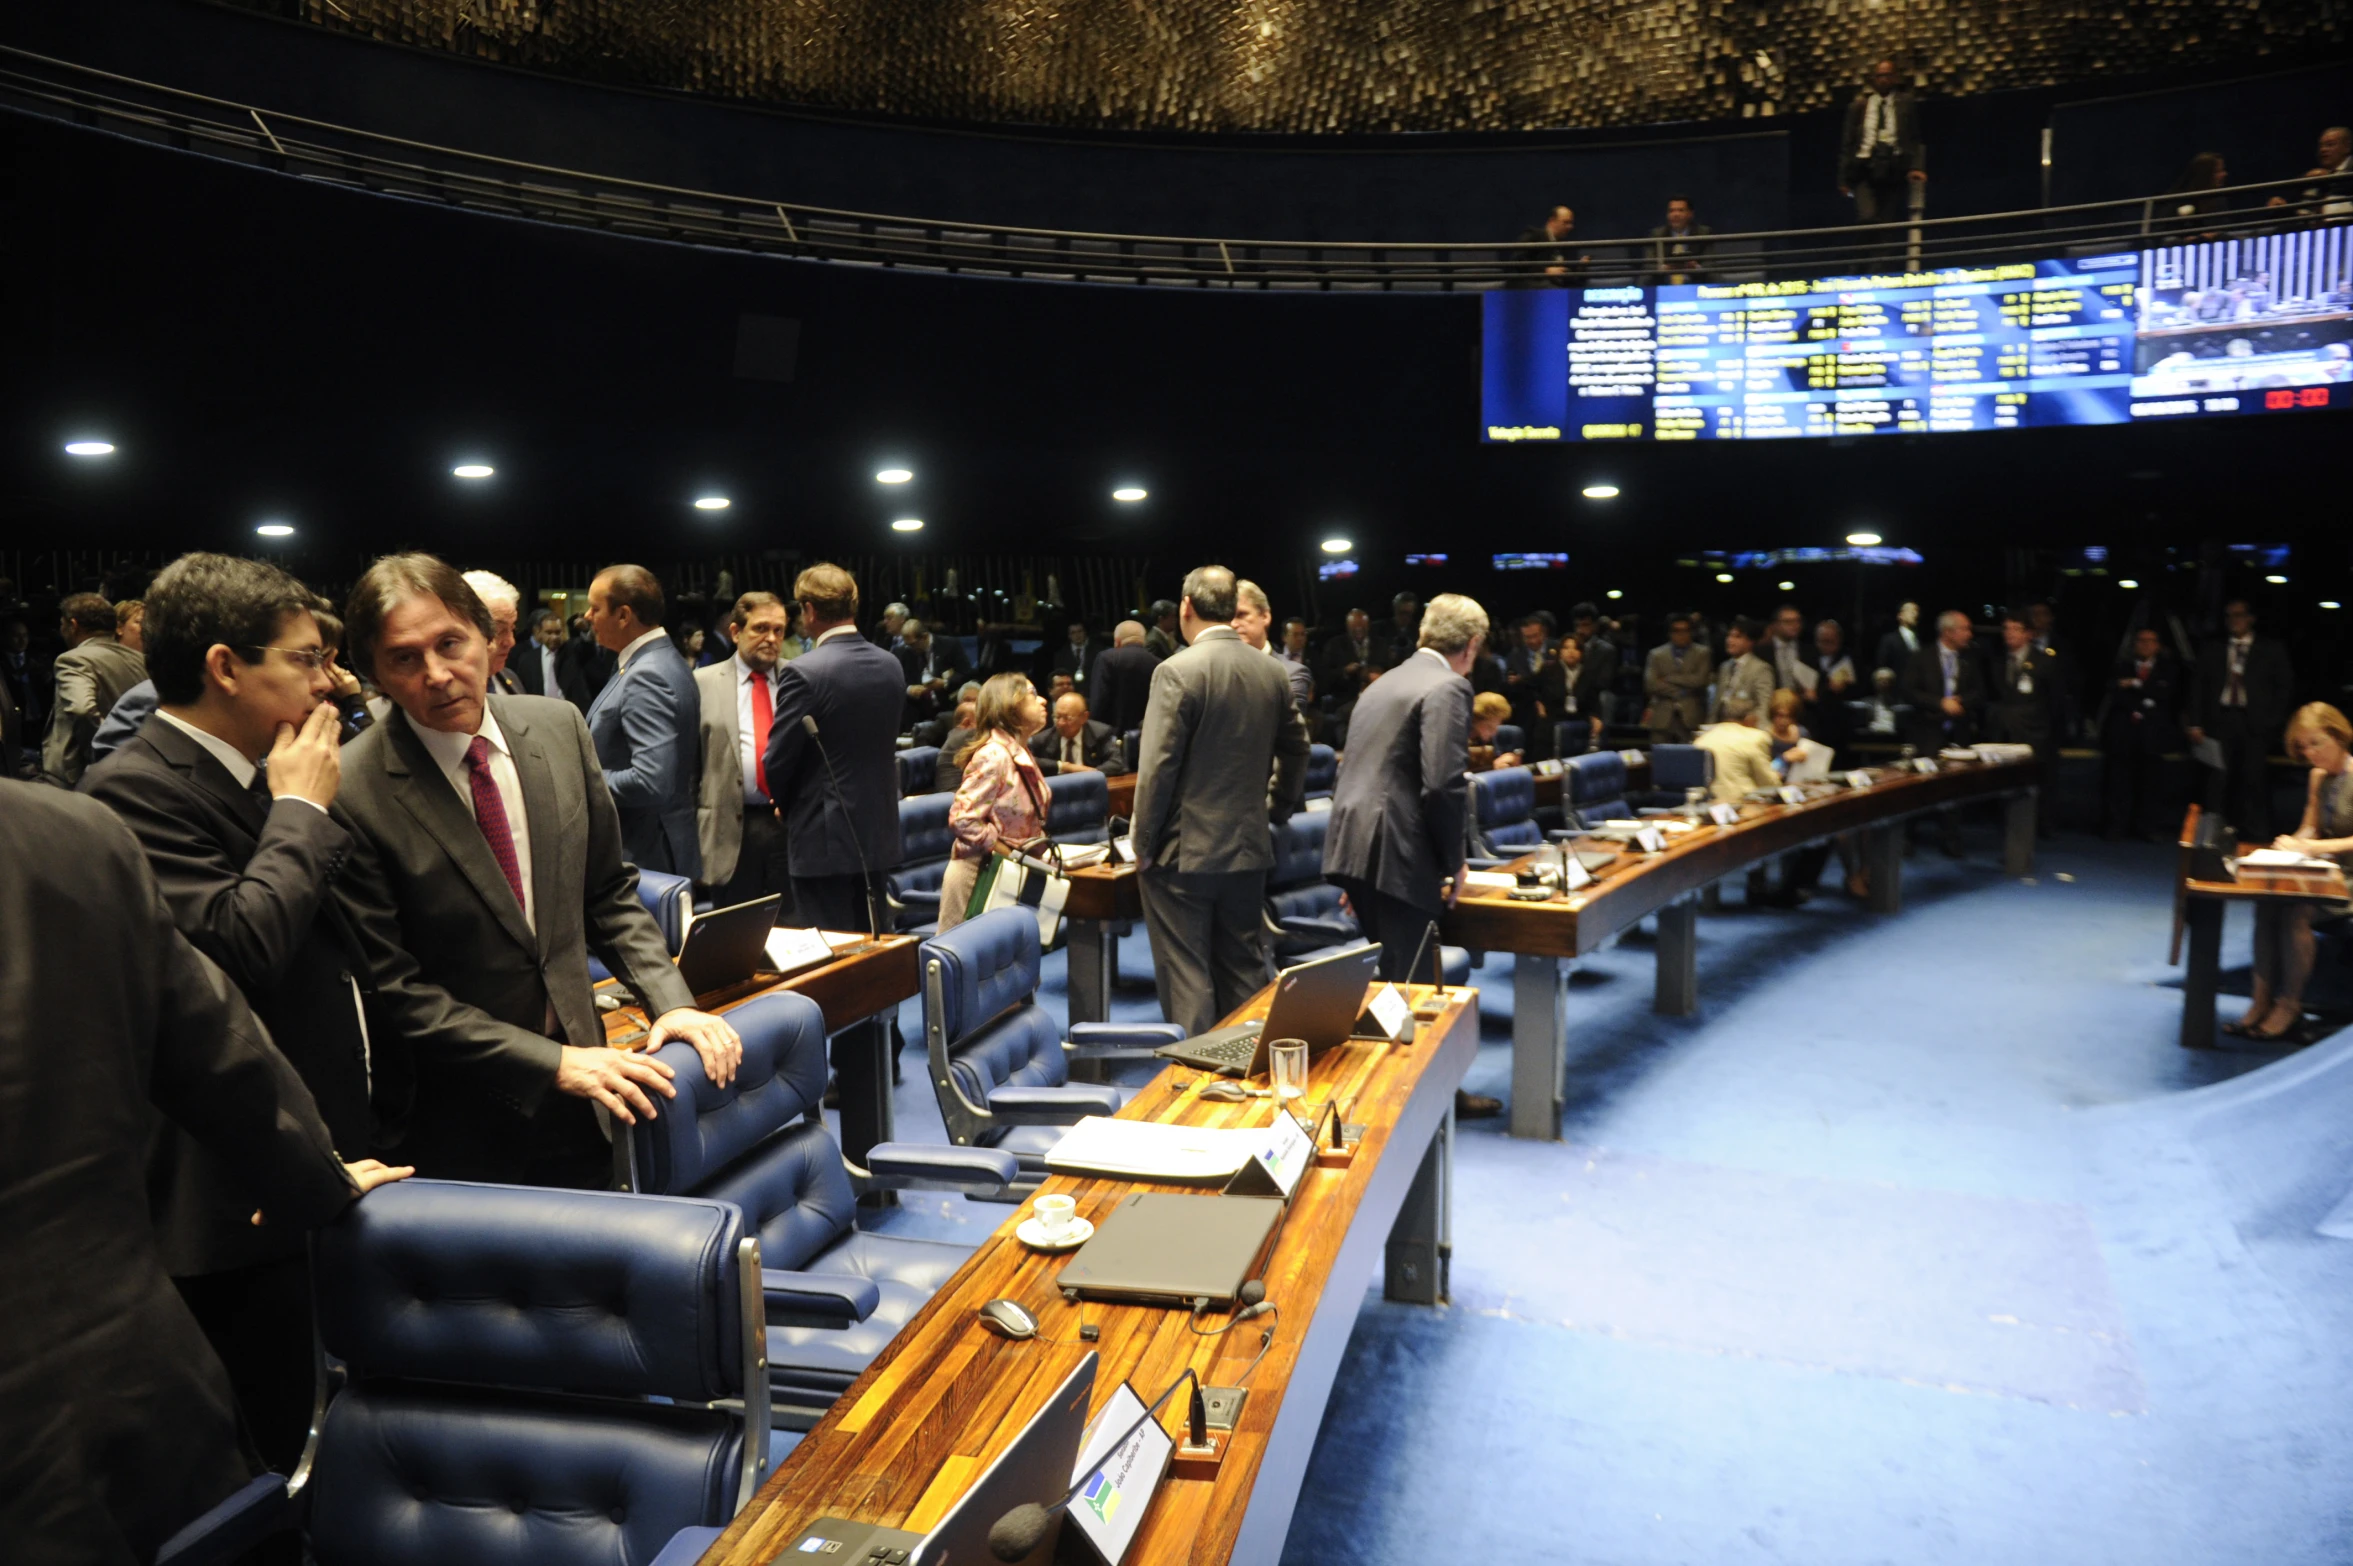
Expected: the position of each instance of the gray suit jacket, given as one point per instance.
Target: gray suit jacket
(644, 723)
(472, 981)
(719, 807)
(1747, 675)
(1220, 724)
(1677, 695)
(1399, 811)
(90, 679)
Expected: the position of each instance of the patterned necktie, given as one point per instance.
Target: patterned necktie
(490, 814)
(763, 714)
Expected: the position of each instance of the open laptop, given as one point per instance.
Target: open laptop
(1034, 1470)
(1317, 1001)
(727, 946)
(1168, 1248)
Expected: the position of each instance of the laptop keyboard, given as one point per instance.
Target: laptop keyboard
(1230, 1052)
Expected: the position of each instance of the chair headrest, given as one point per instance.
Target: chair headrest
(1299, 850)
(581, 1291)
(1682, 766)
(1510, 736)
(667, 897)
(1506, 794)
(708, 1127)
(987, 965)
(1323, 766)
(1596, 775)
(923, 826)
(918, 766)
(1076, 801)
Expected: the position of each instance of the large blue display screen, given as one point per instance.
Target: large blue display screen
(2257, 324)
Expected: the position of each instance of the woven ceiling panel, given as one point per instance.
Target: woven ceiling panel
(1339, 65)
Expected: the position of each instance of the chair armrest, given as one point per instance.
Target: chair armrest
(1338, 932)
(1483, 862)
(817, 1299)
(976, 1171)
(920, 899)
(1052, 1106)
(234, 1527)
(687, 1546)
(1124, 1035)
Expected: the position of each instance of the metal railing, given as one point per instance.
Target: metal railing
(352, 158)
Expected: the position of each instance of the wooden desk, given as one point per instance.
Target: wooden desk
(1122, 789)
(1100, 896)
(1544, 936)
(855, 991)
(947, 1395)
(2203, 904)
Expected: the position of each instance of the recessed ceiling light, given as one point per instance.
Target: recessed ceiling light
(89, 448)
(1128, 492)
(907, 525)
(2276, 581)
(2126, 582)
(275, 530)
(1723, 576)
(1786, 587)
(473, 470)
(1614, 593)
(2330, 603)
(1601, 492)
(1337, 546)
(1862, 540)
(711, 503)
(894, 475)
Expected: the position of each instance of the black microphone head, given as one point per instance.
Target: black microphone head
(1252, 1292)
(1197, 1418)
(809, 724)
(1013, 1536)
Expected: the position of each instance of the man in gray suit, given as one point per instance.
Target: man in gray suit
(738, 824)
(1743, 673)
(1674, 684)
(1399, 813)
(490, 863)
(1220, 724)
(92, 674)
(645, 722)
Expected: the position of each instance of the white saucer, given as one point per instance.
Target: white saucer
(1078, 1234)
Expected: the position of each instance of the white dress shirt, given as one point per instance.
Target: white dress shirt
(551, 683)
(1878, 122)
(636, 647)
(449, 753)
(746, 756)
(240, 769)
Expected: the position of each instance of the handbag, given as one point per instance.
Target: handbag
(1030, 877)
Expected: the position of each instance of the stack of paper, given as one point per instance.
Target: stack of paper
(1147, 1150)
(2284, 859)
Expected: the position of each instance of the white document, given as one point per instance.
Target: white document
(1490, 880)
(1147, 1150)
(1809, 761)
(2284, 859)
(790, 950)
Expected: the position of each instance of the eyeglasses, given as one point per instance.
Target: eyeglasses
(315, 659)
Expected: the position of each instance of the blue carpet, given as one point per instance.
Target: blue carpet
(1922, 1242)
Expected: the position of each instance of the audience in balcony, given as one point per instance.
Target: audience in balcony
(1554, 261)
(1679, 247)
(1880, 154)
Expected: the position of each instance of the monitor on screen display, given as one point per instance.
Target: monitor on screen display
(1532, 561)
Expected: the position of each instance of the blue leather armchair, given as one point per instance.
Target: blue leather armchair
(1323, 771)
(670, 899)
(919, 768)
(834, 1295)
(926, 844)
(1593, 788)
(1078, 807)
(1673, 770)
(1510, 737)
(997, 1059)
(1305, 909)
(1503, 815)
(1571, 737)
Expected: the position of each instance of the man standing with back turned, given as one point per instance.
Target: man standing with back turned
(1395, 845)
(1220, 723)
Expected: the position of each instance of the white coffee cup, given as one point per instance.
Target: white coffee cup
(1055, 1215)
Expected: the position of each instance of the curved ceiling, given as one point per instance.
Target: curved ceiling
(1299, 66)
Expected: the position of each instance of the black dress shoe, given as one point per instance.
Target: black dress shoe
(1476, 1106)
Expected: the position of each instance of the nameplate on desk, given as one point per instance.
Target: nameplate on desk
(1277, 1159)
(1548, 769)
(1790, 796)
(1390, 1016)
(1924, 764)
(1573, 873)
(1723, 814)
(1650, 840)
(791, 950)
(1858, 778)
(1634, 758)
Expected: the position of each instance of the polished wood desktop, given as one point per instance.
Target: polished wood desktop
(946, 1397)
(1100, 896)
(2200, 904)
(1544, 936)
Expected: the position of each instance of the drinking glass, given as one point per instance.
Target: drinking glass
(1286, 1069)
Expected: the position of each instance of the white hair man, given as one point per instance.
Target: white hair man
(505, 603)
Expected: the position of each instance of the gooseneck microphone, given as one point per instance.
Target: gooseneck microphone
(1020, 1531)
(1414, 967)
(865, 875)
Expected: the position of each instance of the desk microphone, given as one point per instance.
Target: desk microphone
(865, 876)
(1415, 966)
(1015, 1535)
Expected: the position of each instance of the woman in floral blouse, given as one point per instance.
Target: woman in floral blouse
(1003, 796)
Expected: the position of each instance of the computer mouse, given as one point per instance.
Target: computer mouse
(1007, 1319)
(1225, 1092)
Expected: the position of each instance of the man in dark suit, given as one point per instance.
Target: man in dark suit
(740, 824)
(2139, 727)
(91, 675)
(2240, 699)
(2022, 706)
(1348, 660)
(1074, 742)
(504, 600)
(1396, 641)
(1945, 687)
(1551, 259)
(934, 665)
(1679, 246)
(1523, 665)
(646, 722)
(1123, 679)
(1221, 725)
(839, 786)
(1897, 646)
(1880, 154)
(539, 665)
(248, 871)
(489, 866)
(117, 1425)
(585, 665)
(1399, 815)
(1077, 658)
(1167, 634)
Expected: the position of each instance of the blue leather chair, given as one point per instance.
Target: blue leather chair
(1510, 737)
(1323, 771)
(1305, 909)
(1078, 807)
(998, 1062)
(919, 770)
(528, 1374)
(1571, 737)
(670, 899)
(835, 1295)
(925, 843)
(1675, 769)
(1593, 788)
(1503, 815)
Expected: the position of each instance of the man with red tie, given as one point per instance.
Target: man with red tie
(489, 861)
(737, 819)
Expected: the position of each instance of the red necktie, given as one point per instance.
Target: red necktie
(763, 714)
(490, 814)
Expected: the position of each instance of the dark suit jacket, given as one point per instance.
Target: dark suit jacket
(1680, 259)
(647, 725)
(2029, 716)
(1893, 654)
(853, 689)
(2144, 718)
(1399, 811)
(2270, 681)
(947, 666)
(1123, 685)
(1221, 726)
(1922, 684)
(1332, 677)
(524, 664)
(471, 982)
(1078, 663)
(117, 1426)
(1098, 748)
(251, 884)
(1907, 136)
(1392, 646)
(584, 667)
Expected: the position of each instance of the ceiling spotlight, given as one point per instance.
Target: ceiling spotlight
(472, 470)
(1723, 576)
(894, 475)
(1787, 587)
(1337, 546)
(2277, 581)
(711, 503)
(1128, 492)
(2330, 603)
(1601, 492)
(907, 525)
(1862, 540)
(275, 530)
(1614, 593)
(2127, 582)
(89, 448)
